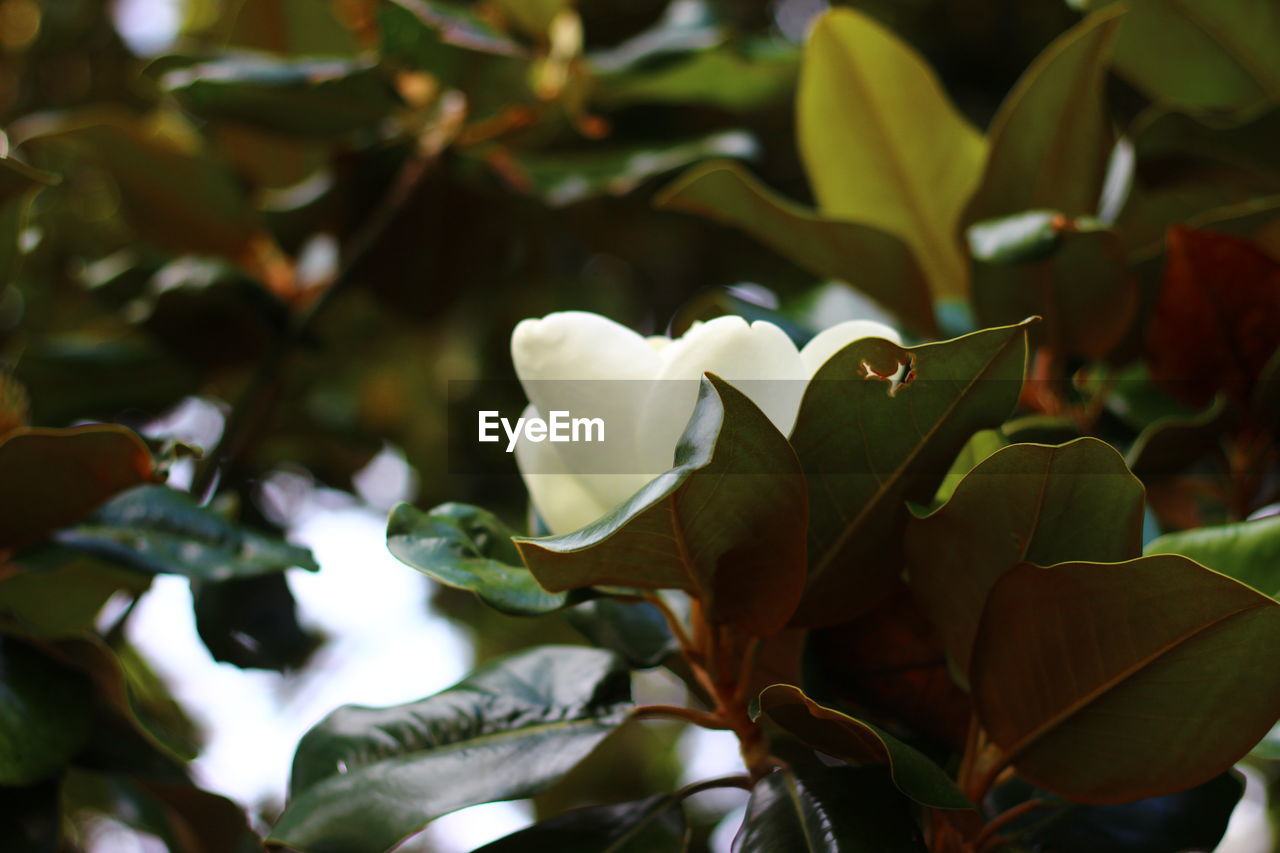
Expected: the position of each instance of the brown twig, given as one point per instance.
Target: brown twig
(682, 714)
(988, 838)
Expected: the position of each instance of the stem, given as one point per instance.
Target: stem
(256, 401)
(680, 713)
(746, 669)
(987, 840)
(673, 622)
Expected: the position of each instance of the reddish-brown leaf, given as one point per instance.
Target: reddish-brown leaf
(891, 664)
(1217, 318)
(51, 477)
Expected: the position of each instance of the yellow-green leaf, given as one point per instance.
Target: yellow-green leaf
(883, 145)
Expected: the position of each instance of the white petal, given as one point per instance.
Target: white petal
(560, 496)
(758, 359)
(830, 341)
(590, 367)
(580, 345)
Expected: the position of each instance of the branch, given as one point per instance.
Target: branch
(681, 714)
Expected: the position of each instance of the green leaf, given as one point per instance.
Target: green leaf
(58, 592)
(1026, 503)
(841, 736)
(308, 97)
(872, 260)
(469, 548)
(185, 818)
(979, 446)
(1216, 56)
(1074, 274)
(174, 191)
(1110, 682)
(365, 778)
(636, 630)
(827, 810)
(644, 826)
(727, 524)
(1269, 746)
(566, 177)
(1051, 138)
(252, 622)
(51, 477)
(736, 77)
(140, 727)
(1195, 819)
(44, 714)
(158, 530)
(1248, 551)
(882, 144)
(458, 25)
(1171, 444)
(18, 180)
(868, 445)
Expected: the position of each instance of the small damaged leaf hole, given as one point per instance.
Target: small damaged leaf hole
(903, 375)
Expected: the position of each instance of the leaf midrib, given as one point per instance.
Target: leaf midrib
(838, 545)
(470, 743)
(935, 258)
(1094, 694)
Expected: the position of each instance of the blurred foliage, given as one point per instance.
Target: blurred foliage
(318, 221)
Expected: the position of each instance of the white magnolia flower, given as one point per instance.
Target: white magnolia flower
(557, 357)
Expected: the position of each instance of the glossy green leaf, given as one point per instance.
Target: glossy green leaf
(634, 629)
(51, 477)
(157, 529)
(1215, 56)
(563, 178)
(45, 714)
(1195, 819)
(727, 524)
(1026, 503)
(309, 98)
(1248, 551)
(841, 736)
(872, 260)
(883, 146)
(868, 445)
(1073, 274)
(1052, 137)
(1110, 682)
(365, 778)
(827, 810)
(469, 548)
(644, 826)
